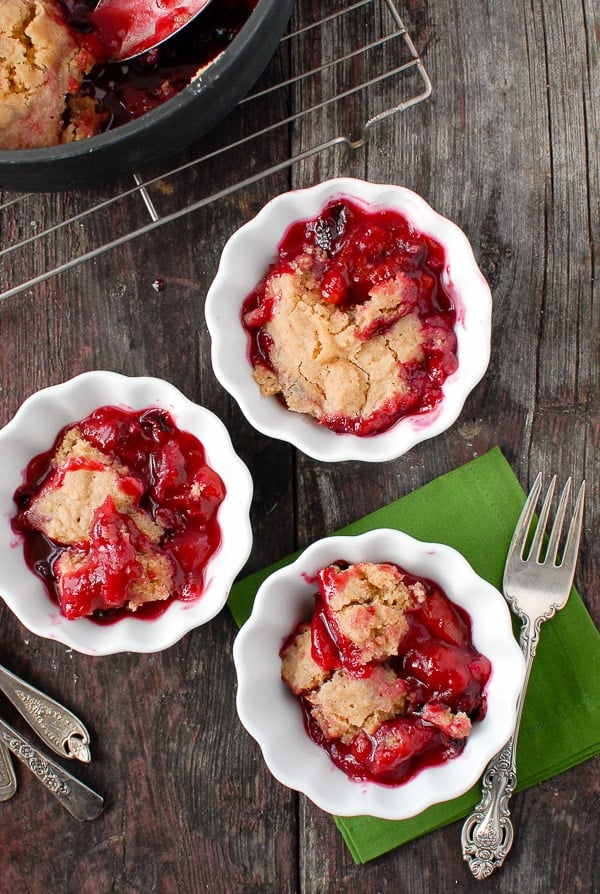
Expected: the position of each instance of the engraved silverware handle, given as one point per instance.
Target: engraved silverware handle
(8, 779)
(487, 834)
(58, 727)
(75, 796)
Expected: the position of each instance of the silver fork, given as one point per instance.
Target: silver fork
(536, 586)
(58, 727)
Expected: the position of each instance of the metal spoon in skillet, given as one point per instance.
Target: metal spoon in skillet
(127, 28)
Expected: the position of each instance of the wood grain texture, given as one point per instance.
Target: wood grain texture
(507, 146)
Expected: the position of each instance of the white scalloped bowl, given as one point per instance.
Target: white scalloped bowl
(244, 263)
(272, 715)
(33, 430)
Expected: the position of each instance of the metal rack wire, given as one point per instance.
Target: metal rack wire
(341, 92)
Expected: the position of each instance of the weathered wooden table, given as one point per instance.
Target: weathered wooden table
(507, 146)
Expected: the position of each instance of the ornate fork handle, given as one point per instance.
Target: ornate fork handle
(8, 779)
(58, 727)
(487, 834)
(75, 796)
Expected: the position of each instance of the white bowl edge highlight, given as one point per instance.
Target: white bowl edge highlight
(243, 264)
(23, 437)
(326, 785)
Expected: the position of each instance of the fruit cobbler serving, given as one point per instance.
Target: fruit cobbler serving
(385, 671)
(351, 324)
(42, 66)
(120, 516)
(57, 83)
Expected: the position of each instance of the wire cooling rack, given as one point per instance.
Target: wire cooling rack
(320, 90)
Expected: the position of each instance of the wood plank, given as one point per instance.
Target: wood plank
(507, 146)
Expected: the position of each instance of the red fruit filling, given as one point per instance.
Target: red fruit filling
(358, 261)
(129, 89)
(148, 538)
(410, 708)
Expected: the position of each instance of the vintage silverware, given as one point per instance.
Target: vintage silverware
(58, 727)
(536, 587)
(82, 802)
(8, 778)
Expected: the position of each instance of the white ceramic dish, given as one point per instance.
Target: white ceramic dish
(244, 262)
(33, 430)
(271, 714)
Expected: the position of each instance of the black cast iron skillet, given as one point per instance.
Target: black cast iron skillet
(163, 131)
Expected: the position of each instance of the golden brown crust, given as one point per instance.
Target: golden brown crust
(345, 705)
(41, 65)
(84, 482)
(83, 478)
(338, 361)
(368, 604)
(298, 668)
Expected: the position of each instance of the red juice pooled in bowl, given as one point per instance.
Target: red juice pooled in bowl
(385, 672)
(120, 516)
(127, 29)
(123, 91)
(59, 85)
(352, 324)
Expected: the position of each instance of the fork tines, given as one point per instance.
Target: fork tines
(536, 550)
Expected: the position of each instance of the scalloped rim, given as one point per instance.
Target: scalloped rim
(243, 263)
(270, 713)
(33, 429)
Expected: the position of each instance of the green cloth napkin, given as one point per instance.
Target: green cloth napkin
(474, 509)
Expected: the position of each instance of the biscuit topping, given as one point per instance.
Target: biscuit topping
(385, 672)
(120, 516)
(352, 325)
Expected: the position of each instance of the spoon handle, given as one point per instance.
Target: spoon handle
(8, 779)
(77, 798)
(56, 726)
